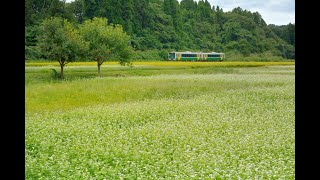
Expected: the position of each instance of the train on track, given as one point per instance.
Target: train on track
(195, 56)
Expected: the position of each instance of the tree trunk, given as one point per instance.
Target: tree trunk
(61, 66)
(99, 75)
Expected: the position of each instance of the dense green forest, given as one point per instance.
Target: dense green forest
(156, 27)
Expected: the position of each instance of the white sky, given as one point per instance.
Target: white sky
(278, 12)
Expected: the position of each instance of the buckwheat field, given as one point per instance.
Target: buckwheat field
(161, 120)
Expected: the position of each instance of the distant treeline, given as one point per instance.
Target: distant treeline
(159, 26)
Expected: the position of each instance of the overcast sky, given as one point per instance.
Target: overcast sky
(278, 12)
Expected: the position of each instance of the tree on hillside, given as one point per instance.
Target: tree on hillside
(128, 15)
(105, 41)
(171, 7)
(167, 24)
(204, 11)
(60, 41)
(77, 7)
(38, 10)
(291, 34)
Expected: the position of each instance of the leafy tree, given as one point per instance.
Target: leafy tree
(285, 32)
(189, 5)
(291, 34)
(77, 7)
(128, 15)
(204, 10)
(171, 7)
(105, 41)
(27, 11)
(258, 19)
(90, 8)
(141, 15)
(115, 11)
(60, 41)
(31, 48)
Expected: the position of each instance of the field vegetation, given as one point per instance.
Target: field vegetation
(160, 120)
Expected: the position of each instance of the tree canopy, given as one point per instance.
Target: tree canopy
(169, 25)
(60, 41)
(105, 41)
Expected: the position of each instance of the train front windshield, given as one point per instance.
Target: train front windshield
(171, 56)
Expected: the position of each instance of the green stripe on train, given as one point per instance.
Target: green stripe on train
(188, 58)
(196, 59)
(213, 58)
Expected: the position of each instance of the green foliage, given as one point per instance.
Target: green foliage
(263, 57)
(38, 10)
(149, 55)
(55, 74)
(163, 54)
(32, 52)
(285, 32)
(31, 49)
(161, 25)
(60, 41)
(77, 8)
(106, 42)
(97, 33)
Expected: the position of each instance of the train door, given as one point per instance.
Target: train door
(221, 57)
(179, 56)
(205, 56)
(198, 57)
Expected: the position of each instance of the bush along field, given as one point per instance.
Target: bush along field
(164, 121)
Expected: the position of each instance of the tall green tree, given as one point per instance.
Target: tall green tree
(204, 11)
(60, 41)
(77, 7)
(115, 11)
(141, 15)
(38, 10)
(31, 48)
(128, 15)
(291, 34)
(105, 41)
(171, 7)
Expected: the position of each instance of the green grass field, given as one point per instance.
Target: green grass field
(161, 120)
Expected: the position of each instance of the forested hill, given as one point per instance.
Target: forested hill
(169, 25)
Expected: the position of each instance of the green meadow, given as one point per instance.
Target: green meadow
(160, 120)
